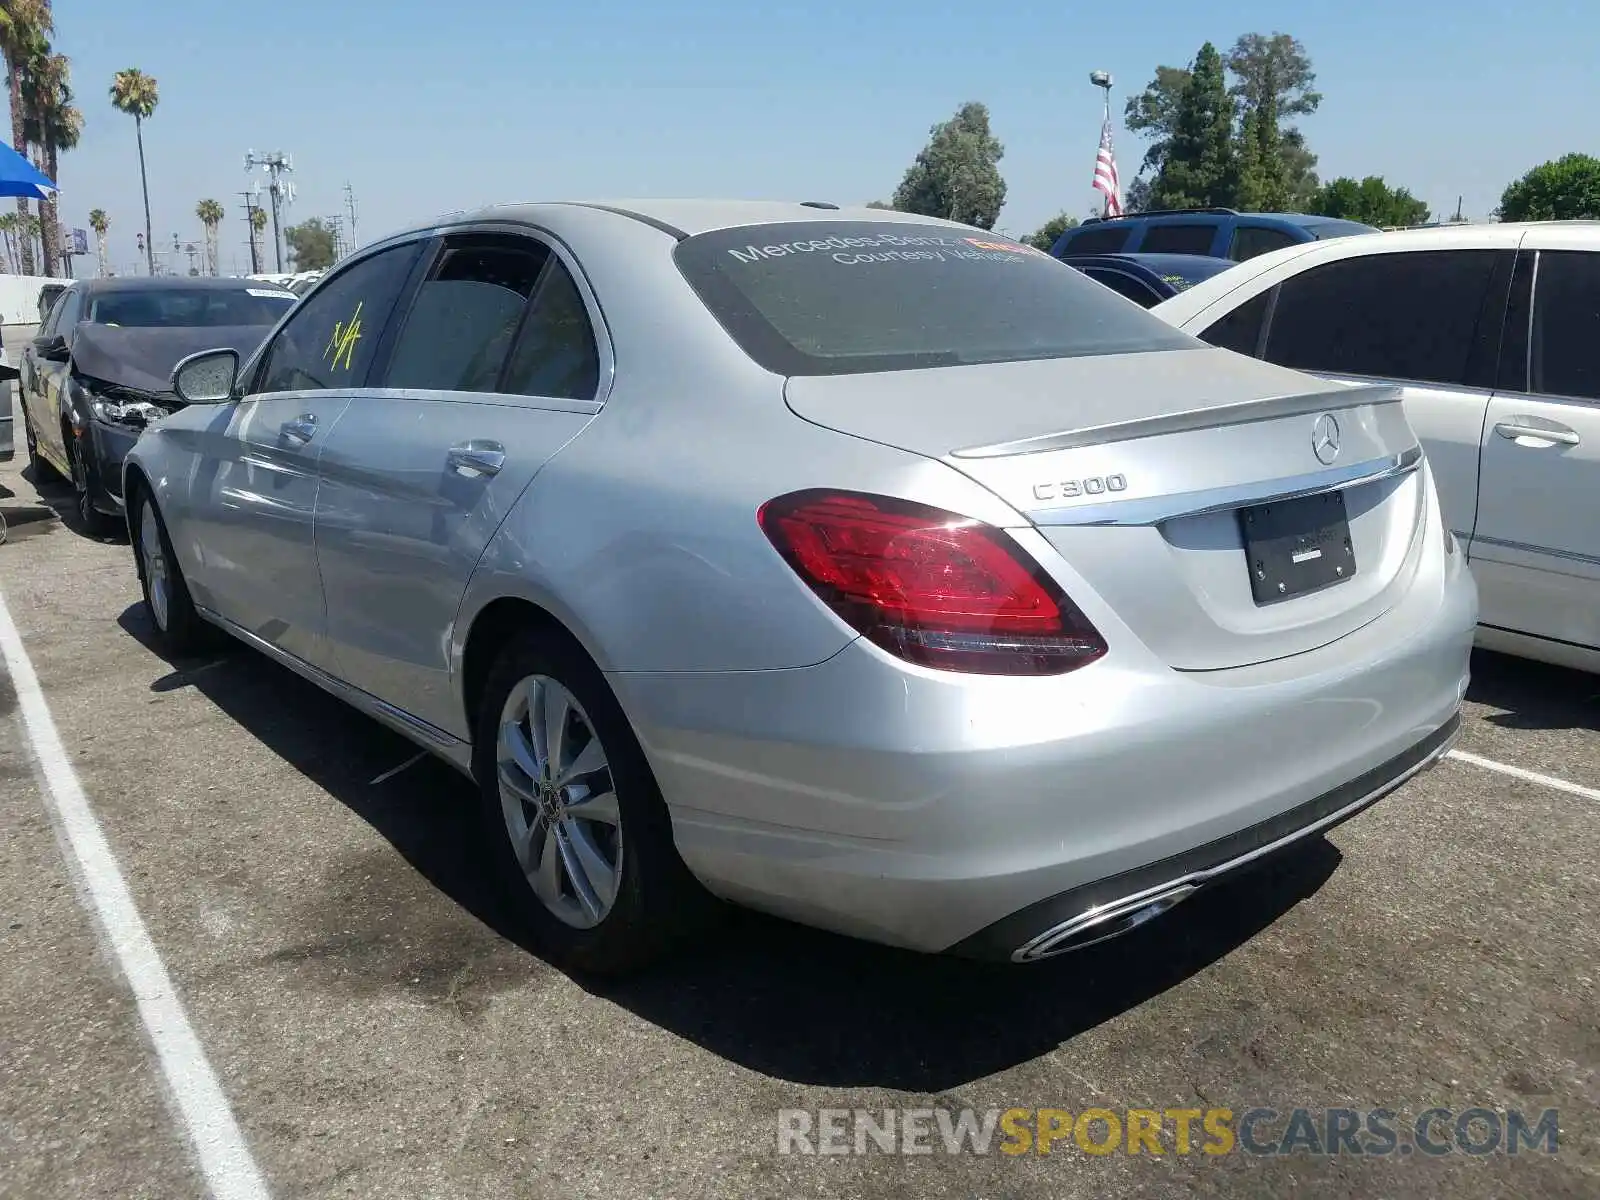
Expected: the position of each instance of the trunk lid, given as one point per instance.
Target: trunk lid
(1140, 469)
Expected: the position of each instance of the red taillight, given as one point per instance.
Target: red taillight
(929, 586)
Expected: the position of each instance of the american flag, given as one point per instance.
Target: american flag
(1105, 172)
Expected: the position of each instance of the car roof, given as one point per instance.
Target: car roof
(1493, 235)
(686, 218)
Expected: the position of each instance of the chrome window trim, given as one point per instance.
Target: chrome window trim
(1156, 509)
(591, 302)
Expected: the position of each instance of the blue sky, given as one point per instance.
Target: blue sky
(430, 108)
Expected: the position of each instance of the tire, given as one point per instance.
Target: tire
(180, 631)
(654, 903)
(43, 472)
(91, 520)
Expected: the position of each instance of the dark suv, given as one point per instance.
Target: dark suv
(1219, 232)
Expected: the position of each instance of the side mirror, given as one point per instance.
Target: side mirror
(52, 349)
(9, 374)
(206, 378)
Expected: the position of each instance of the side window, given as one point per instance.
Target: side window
(1392, 316)
(329, 340)
(65, 315)
(465, 316)
(1178, 239)
(556, 353)
(1566, 324)
(1251, 240)
(1093, 240)
(1240, 330)
(1124, 285)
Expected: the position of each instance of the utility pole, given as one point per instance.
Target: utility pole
(250, 224)
(276, 164)
(350, 206)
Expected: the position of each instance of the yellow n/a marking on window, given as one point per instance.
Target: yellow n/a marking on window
(342, 345)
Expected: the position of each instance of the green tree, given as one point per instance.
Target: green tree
(135, 93)
(101, 224)
(1564, 189)
(312, 245)
(24, 27)
(1371, 201)
(1046, 235)
(1154, 113)
(1272, 81)
(1271, 156)
(957, 174)
(880, 204)
(210, 214)
(1199, 168)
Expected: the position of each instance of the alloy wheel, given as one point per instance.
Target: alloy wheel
(559, 802)
(157, 585)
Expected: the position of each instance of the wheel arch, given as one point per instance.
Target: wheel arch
(488, 629)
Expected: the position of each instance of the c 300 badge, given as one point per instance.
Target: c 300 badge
(1072, 489)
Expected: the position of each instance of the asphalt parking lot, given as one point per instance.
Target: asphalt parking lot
(377, 1032)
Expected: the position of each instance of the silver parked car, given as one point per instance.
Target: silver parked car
(867, 569)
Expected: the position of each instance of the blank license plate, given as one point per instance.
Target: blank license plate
(1297, 546)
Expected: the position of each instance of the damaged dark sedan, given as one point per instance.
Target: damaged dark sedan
(99, 371)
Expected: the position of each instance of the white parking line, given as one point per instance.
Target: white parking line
(225, 1160)
(1549, 781)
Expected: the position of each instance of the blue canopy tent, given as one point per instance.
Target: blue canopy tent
(19, 177)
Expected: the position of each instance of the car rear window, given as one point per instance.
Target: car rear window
(850, 297)
(191, 307)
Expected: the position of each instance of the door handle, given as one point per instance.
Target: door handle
(476, 458)
(301, 430)
(1554, 433)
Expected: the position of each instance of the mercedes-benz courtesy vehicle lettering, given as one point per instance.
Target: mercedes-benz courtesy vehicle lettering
(732, 566)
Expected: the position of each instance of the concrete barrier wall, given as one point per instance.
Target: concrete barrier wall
(19, 298)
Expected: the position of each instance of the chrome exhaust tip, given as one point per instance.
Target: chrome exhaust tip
(1102, 923)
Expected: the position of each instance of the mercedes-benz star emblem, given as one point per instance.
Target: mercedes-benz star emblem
(1325, 438)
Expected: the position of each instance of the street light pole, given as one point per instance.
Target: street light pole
(1102, 80)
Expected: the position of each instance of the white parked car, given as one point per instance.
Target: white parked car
(1493, 331)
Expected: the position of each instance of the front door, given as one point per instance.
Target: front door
(1536, 550)
(494, 369)
(42, 380)
(256, 488)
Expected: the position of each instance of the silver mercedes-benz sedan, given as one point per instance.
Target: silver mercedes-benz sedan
(867, 569)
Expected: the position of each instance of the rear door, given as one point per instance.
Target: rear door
(1536, 549)
(1249, 241)
(497, 365)
(1426, 321)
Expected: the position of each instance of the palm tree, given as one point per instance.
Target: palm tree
(133, 92)
(258, 222)
(210, 214)
(100, 223)
(8, 228)
(52, 125)
(24, 25)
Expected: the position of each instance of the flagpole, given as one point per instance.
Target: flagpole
(1102, 80)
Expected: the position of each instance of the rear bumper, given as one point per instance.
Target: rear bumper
(1106, 907)
(920, 808)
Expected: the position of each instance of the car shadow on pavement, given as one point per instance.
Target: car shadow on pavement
(1534, 695)
(792, 1003)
